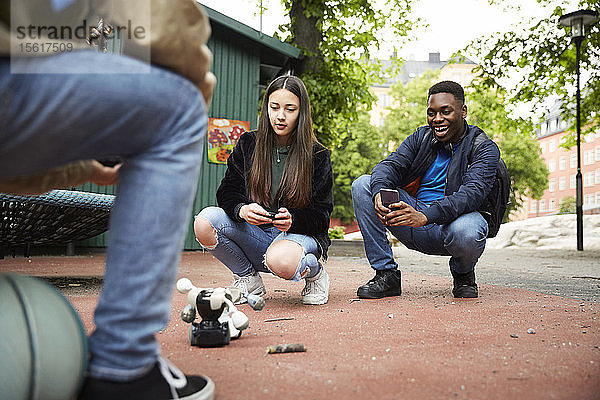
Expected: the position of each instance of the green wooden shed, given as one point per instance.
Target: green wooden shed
(245, 61)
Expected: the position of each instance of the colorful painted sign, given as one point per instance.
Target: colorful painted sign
(222, 136)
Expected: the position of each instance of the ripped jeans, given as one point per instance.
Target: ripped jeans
(242, 246)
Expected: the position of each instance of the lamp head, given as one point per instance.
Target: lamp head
(578, 21)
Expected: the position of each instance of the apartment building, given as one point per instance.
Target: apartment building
(562, 167)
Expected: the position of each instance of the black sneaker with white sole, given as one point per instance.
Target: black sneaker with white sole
(164, 382)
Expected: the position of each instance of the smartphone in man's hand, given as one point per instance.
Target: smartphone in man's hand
(389, 196)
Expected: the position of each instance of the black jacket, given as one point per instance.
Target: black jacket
(468, 181)
(313, 220)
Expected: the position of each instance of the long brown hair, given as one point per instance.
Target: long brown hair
(296, 184)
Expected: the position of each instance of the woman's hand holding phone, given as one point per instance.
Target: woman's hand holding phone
(255, 214)
(282, 220)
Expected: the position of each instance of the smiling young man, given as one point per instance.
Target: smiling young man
(442, 180)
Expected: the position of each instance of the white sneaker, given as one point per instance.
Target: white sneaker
(316, 290)
(249, 284)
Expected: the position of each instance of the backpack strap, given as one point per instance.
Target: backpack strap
(480, 137)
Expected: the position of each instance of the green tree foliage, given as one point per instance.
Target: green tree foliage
(408, 110)
(357, 154)
(516, 139)
(541, 52)
(331, 35)
(568, 205)
(487, 109)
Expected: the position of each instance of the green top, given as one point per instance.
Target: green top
(277, 169)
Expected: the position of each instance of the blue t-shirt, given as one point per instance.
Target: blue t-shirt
(433, 182)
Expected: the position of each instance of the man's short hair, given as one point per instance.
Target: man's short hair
(448, 87)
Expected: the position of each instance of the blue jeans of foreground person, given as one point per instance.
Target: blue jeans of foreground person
(242, 246)
(156, 122)
(463, 239)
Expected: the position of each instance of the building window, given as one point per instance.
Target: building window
(551, 165)
(598, 198)
(597, 157)
(552, 146)
(588, 157)
(573, 160)
(551, 205)
(542, 205)
(597, 179)
(533, 207)
(384, 100)
(588, 200)
(562, 183)
(562, 163)
(588, 179)
(387, 100)
(572, 182)
(552, 185)
(543, 147)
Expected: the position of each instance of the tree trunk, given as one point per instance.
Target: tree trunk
(307, 36)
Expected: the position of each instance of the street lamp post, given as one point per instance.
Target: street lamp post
(578, 21)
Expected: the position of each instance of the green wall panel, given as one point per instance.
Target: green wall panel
(236, 65)
(237, 68)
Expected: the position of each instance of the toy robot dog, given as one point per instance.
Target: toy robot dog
(220, 319)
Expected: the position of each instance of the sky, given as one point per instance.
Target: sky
(452, 24)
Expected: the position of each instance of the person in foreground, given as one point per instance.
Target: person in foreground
(275, 199)
(54, 124)
(441, 180)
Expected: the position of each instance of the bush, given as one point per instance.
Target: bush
(567, 205)
(337, 232)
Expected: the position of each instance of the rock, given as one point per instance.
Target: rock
(549, 232)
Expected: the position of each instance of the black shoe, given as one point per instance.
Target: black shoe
(156, 384)
(385, 283)
(464, 285)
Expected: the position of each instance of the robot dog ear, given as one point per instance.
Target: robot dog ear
(236, 294)
(217, 298)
